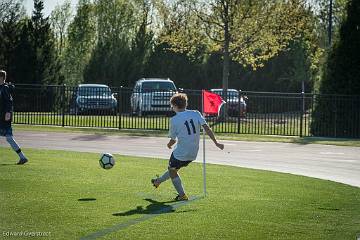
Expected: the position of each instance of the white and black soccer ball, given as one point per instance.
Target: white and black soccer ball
(107, 161)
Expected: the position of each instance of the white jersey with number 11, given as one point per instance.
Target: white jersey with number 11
(185, 126)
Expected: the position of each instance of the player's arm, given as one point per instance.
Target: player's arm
(212, 136)
(7, 103)
(171, 143)
(172, 135)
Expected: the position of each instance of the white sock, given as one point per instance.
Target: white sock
(164, 177)
(178, 185)
(15, 146)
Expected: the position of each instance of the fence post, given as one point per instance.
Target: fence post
(302, 113)
(119, 104)
(63, 92)
(238, 116)
(335, 116)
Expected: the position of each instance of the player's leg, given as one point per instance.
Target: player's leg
(174, 167)
(10, 139)
(157, 181)
(176, 180)
(166, 176)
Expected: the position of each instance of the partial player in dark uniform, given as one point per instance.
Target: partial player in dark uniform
(6, 111)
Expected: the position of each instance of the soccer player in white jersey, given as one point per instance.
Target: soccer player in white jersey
(185, 130)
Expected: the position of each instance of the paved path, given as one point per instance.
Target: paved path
(340, 164)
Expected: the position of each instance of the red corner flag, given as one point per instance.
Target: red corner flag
(211, 102)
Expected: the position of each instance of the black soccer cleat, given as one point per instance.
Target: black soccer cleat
(22, 161)
(181, 198)
(155, 182)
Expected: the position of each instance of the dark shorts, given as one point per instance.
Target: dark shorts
(6, 131)
(177, 164)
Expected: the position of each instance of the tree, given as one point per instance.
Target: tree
(321, 9)
(292, 67)
(81, 40)
(11, 20)
(141, 46)
(165, 63)
(60, 19)
(123, 42)
(248, 32)
(47, 66)
(110, 60)
(36, 58)
(341, 76)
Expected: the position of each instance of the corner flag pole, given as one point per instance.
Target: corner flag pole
(204, 166)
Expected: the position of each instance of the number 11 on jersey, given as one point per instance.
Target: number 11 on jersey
(188, 127)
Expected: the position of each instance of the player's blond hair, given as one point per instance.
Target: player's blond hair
(179, 100)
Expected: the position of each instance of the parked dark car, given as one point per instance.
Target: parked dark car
(233, 99)
(94, 98)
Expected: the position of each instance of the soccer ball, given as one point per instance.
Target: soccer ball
(107, 161)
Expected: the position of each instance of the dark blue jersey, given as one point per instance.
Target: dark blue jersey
(6, 104)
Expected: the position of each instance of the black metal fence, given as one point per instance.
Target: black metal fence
(288, 114)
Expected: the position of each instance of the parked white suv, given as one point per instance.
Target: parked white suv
(152, 95)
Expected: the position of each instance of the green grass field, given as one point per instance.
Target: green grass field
(70, 196)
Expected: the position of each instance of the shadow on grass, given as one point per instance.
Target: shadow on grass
(86, 199)
(328, 209)
(7, 164)
(92, 137)
(325, 140)
(186, 211)
(154, 207)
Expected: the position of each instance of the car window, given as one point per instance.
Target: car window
(158, 86)
(231, 94)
